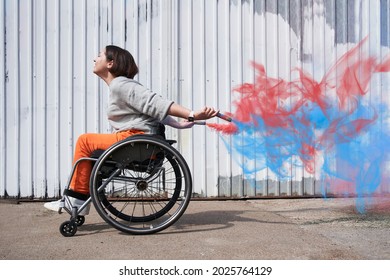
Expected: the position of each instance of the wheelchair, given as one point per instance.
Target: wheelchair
(140, 185)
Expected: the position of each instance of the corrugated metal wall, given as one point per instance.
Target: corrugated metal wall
(194, 52)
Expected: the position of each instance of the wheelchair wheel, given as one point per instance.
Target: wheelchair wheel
(141, 185)
(80, 220)
(68, 228)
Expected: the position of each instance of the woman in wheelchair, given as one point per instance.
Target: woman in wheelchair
(132, 109)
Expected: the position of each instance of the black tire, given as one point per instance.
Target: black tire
(147, 191)
(80, 220)
(68, 228)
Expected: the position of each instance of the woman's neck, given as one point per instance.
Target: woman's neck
(108, 78)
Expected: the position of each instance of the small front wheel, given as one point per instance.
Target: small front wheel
(80, 220)
(68, 228)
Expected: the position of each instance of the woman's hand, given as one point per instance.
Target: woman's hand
(174, 123)
(205, 113)
(184, 124)
(177, 110)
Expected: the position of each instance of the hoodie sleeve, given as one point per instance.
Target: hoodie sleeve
(149, 103)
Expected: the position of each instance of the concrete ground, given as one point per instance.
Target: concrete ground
(273, 229)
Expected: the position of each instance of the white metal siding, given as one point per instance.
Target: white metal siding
(192, 51)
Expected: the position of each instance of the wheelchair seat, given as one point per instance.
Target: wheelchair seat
(97, 153)
(159, 132)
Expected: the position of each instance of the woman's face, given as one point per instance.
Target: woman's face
(101, 64)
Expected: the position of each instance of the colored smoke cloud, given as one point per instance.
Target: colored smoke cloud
(336, 129)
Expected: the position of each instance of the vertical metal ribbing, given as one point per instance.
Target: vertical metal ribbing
(216, 90)
(69, 81)
(97, 46)
(43, 80)
(58, 105)
(3, 143)
(40, 123)
(190, 78)
(45, 56)
(24, 96)
(17, 147)
(17, 96)
(229, 87)
(84, 61)
(240, 77)
(148, 57)
(136, 32)
(175, 54)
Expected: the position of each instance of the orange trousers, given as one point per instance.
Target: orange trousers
(86, 144)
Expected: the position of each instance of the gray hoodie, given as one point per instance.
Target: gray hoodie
(132, 106)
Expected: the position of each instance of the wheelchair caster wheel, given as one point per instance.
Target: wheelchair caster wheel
(68, 228)
(80, 220)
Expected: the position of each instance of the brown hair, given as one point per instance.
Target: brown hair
(123, 62)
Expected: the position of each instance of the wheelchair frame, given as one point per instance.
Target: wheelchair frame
(140, 185)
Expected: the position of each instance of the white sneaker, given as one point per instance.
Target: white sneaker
(74, 202)
(54, 205)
